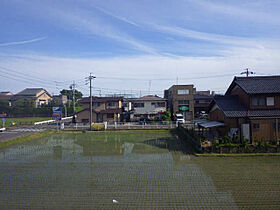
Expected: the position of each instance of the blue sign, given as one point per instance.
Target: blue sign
(3, 119)
(57, 113)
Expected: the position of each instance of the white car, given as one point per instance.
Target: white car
(180, 119)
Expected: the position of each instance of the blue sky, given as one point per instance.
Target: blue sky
(133, 46)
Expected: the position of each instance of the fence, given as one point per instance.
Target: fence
(125, 126)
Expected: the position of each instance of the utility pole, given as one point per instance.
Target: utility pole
(91, 77)
(72, 86)
(247, 72)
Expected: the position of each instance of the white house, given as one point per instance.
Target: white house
(149, 106)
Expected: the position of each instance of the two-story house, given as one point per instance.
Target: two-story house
(105, 109)
(250, 108)
(38, 95)
(148, 106)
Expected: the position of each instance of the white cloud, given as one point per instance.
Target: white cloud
(189, 70)
(22, 42)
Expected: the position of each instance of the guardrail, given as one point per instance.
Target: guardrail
(2, 129)
(53, 121)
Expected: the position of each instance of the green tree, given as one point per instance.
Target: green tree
(167, 115)
(69, 94)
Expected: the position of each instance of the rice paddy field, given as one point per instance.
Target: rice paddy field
(131, 170)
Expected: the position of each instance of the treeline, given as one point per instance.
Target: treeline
(26, 108)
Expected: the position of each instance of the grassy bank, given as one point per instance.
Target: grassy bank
(237, 154)
(25, 138)
(24, 120)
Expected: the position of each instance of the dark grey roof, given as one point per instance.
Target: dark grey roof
(264, 113)
(202, 96)
(257, 85)
(30, 91)
(232, 107)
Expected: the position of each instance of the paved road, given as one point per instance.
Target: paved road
(12, 133)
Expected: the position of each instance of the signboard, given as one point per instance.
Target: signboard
(183, 108)
(3, 119)
(3, 114)
(57, 113)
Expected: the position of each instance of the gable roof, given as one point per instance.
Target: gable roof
(230, 106)
(150, 98)
(30, 91)
(257, 85)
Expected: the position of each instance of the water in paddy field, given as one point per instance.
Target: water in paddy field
(127, 170)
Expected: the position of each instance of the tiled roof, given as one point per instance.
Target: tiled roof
(30, 91)
(232, 107)
(257, 85)
(101, 99)
(150, 98)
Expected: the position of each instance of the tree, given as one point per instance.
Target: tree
(69, 94)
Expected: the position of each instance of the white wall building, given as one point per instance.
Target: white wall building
(149, 106)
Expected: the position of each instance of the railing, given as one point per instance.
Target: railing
(53, 121)
(128, 126)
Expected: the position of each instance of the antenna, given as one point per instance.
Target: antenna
(247, 72)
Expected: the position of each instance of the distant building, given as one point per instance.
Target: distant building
(202, 100)
(39, 95)
(148, 106)
(6, 95)
(181, 100)
(60, 99)
(250, 108)
(105, 109)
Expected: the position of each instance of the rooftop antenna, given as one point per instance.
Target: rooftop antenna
(247, 72)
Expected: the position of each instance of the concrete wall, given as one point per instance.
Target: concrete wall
(149, 108)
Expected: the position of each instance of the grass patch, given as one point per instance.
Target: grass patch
(237, 154)
(26, 138)
(24, 120)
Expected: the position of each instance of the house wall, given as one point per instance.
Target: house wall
(276, 101)
(84, 116)
(243, 97)
(174, 97)
(42, 98)
(149, 108)
(218, 115)
(266, 130)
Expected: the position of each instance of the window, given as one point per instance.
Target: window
(256, 126)
(95, 104)
(138, 104)
(183, 102)
(183, 92)
(158, 104)
(258, 101)
(270, 101)
(112, 104)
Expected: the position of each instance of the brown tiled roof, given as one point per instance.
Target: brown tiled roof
(257, 85)
(101, 99)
